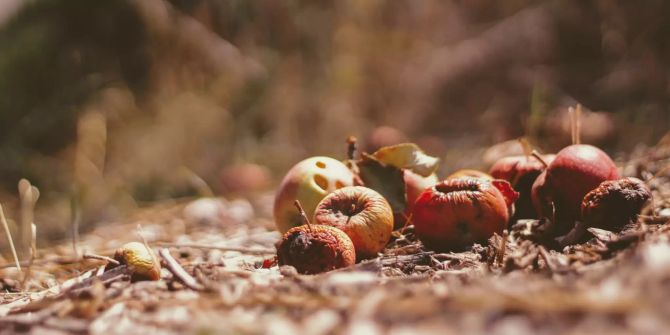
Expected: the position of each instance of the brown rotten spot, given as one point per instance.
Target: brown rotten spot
(315, 248)
(615, 203)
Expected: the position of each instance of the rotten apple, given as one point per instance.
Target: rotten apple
(308, 181)
(456, 213)
(521, 171)
(362, 213)
(577, 169)
(615, 203)
(313, 249)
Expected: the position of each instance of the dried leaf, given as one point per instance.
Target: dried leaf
(408, 156)
(386, 179)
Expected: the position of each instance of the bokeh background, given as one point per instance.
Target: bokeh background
(110, 105)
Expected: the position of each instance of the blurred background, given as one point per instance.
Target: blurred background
(110, 105)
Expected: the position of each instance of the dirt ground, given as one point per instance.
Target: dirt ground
(614, 283)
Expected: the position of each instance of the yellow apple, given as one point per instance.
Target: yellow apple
(308, 181)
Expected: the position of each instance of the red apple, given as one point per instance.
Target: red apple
(361, 213)
(308, 182)
(415, 184)
(521, 172)
(314, 249)
(576, 170)
(458, 212)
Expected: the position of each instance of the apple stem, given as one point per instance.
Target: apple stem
(352, 147)
(525, 145)
(539, 158)
(575, 123)
(578, 124)
(302, 214)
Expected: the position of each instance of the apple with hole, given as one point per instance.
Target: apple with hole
(574, 172)
(361, 213)
(458, 212)
(309, 181)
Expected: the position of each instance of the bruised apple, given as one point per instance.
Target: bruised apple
(313, 249)
(308, 182)
(361, 213)
(559, 191)
(456, 213)
(521, 171)
(415, 184)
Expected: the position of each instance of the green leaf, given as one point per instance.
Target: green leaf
(407, 156)
(386, 179)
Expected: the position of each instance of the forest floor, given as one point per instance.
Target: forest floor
(614, 283)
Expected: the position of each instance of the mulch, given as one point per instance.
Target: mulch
(219, 277)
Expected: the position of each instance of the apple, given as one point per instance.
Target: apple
(574, 172)
(313, 249)
(415, 184)
(615, 203)
(361, 213)
(521, 171)
(309, 181)
(458, 212)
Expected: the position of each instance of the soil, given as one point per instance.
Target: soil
(219, 276)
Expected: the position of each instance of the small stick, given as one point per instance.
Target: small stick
(539, 158)
(75, 214)
(573, 130)
(503, 248)
(352, 147)
(302, 214)
(33, 252)
(257, 251)
(408, 221)
(547, 259)
(178, 271)
(525, 146)
(578, 124)
(87, 255)
(146, 245)
(9, 238)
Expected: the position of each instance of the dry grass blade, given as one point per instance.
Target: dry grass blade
(9, 238)
(178, 271)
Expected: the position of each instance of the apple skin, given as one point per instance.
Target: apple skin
(458, 212)
(415, 184)
(309, 181)
(521, 172)
(576, 170)
(361, 213)
(315, 248)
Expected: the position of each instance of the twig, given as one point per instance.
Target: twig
(547, 259)
(255, 251)
(537, 156)
(76, 217)
(304, 217)
(140, 233)
(352, 147)
(503, 248)
(9, 238)
(100, 258)
(178, 271)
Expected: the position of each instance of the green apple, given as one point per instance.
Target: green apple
(308, 181)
